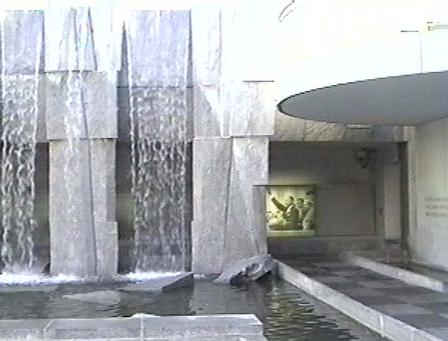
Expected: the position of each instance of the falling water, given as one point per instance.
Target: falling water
(158, 105)
(75, 123)
(19, 94)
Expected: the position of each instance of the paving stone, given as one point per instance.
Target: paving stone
(162, 284)
(372, 276)
(424, 321)
(363, 292)
(192, 327)
(344, 287)
(439, 332)
(406, 290)
(401, 309)
(114, 328)
(22, 329)
(422, 298)
(382, 284)
(332, 279)
(376, 300)
(437, 307)
(347, 273)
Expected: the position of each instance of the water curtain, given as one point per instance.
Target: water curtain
(19, 99)
(157, 50)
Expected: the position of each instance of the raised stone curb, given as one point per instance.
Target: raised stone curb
(162, 284)
(397, 273)
(381, 323)
(137, 328)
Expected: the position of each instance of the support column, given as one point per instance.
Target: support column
(81, 116)
(233, 122)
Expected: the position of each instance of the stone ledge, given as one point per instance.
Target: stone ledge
(381, 323)
(397, 273)
(139, 327)
(161, 284)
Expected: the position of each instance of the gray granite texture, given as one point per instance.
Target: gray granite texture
(82, 38)
(162, 284)
(71, 216)
(407, 276)
(106, 238)
(206, 32)
(87, 102)
(288, 128)
(393, 308)
(137, 328)
(249, 167)
(224, 173)
(211, 174)
(82, 210)
(159, 57)
(250, 107)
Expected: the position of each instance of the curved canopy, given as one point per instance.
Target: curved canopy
(402, 100)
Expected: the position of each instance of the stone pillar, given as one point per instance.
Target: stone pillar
(83, 230)
(233, 120)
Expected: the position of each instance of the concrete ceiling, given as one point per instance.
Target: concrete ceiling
(402, 100)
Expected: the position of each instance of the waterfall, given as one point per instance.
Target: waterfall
(19, 98)
(157, 80)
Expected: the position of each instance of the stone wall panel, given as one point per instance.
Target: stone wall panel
(211, 175)
(249, 168)
(159, 57)
(87, 39)
(92, 96)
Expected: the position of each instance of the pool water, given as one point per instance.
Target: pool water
(287, 312)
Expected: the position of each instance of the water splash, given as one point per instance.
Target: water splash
(18, 148)
(35, 279)
(147, 276)
(158, 138)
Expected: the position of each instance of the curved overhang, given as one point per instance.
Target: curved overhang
(400, 100)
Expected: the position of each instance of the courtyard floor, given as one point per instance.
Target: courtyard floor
(418, 307)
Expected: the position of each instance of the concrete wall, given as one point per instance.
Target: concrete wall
(344, 191)
(428, 237)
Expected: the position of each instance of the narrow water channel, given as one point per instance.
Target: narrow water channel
(287, 312)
